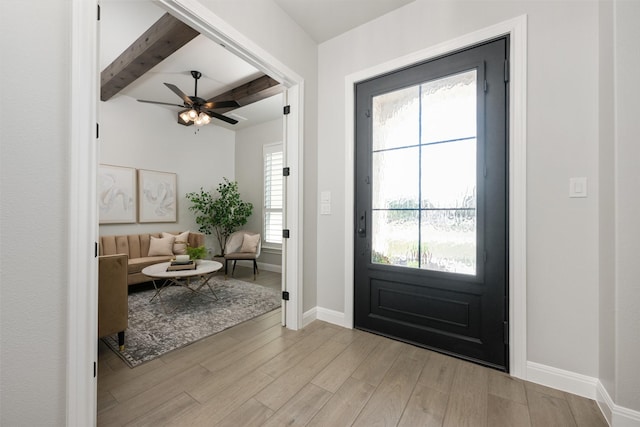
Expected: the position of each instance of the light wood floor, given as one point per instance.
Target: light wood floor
(260, 374)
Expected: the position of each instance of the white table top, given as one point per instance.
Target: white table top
(160, 270)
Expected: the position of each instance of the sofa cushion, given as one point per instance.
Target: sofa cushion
(137, 264)
(161, 246)
(180, 244)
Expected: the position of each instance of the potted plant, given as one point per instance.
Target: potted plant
(196, 252)
(222, 215)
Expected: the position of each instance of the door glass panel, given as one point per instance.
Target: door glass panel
(397, 179)
(395, 237)
(449, 175)
(396, 119)
(424, 175)
(449, 240)
(449, 108)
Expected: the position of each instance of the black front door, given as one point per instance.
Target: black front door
(431, 204)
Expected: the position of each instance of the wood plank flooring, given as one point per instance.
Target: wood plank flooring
(260, 374)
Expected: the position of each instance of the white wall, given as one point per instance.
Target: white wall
(266, 25)
(606, 240)
(627, 203)
(562, 142)
(250, 176)
(145, 136)
(34, 187)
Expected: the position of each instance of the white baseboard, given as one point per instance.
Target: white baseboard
(276, 268)
(616, 416)
(309, 316)
(331, 316)
(585, 386)
(324, 314)
(568, 381)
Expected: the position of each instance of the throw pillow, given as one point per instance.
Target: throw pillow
(250, 243)
(180, 244)
(161, 246)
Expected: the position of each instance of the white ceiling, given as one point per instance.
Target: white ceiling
(122, 22)
(326, 19)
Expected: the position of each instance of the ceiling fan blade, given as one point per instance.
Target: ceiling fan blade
(180, 93)
(220, 104)
(221, 117)
(161, 103)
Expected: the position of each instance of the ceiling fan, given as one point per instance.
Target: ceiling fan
(198, 111)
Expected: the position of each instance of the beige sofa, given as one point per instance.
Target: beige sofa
(113, 305)
(136, 247)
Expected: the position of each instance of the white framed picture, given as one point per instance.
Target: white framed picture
(116, 194)
(157, 201)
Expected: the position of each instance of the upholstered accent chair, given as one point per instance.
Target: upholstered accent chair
(113, 297)
(242, 245)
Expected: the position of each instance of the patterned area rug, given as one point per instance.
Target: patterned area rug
(152, 332)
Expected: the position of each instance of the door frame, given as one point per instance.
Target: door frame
(516, 28)
(82, 277)
(205, 21)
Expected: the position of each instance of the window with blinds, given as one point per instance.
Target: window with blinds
(273, 194)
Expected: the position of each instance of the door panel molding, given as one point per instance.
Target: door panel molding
(517, 29)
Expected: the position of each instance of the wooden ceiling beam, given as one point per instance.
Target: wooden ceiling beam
(248, 93)
(163, 38)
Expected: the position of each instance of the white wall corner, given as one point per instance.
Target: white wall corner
(568, 381)
(309, 316)
(616, 416)
(326, 315)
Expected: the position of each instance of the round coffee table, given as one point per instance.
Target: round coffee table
(185, 278)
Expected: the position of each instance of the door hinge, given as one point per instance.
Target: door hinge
(506, 70)
(286, 110)
(97, 130)
(486, 86)
(98, 12)
(95, 249)
(506, 332)
(285, 233)
(286, 171)
(484, 257)
(367, 113)
(285, 295)
(95, 369)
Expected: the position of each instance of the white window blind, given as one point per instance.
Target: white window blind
(273, 193)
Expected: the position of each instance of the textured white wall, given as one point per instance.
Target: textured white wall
(627, 178)
(249, 173)
(145, 136)
(33, 214)
(562, 142)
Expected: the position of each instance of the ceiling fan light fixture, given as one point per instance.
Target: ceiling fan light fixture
(204, 118)
(185, 116)
(193, 114)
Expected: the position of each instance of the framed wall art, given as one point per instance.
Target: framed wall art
(116, 194)
(157, 201)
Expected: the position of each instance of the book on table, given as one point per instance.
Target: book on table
(178, 266)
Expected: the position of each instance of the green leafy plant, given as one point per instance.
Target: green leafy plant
(222, 215)
(196, 252)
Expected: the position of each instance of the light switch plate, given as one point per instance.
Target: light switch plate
(578, 187)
